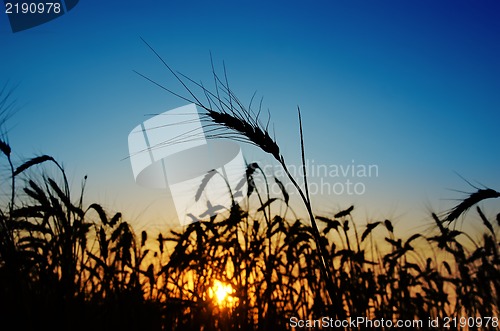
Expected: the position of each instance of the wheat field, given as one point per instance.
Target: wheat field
(66, 265)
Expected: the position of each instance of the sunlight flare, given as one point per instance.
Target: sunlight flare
(221, 293)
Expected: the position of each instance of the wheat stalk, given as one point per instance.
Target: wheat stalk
(471, 200)
(226, 117)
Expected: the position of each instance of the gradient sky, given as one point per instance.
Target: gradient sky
(411, 86)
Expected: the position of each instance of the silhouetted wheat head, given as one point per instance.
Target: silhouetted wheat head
(471, 200)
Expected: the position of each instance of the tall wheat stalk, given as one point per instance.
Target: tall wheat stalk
(226, 117)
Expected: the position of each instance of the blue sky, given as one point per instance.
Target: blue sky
(411, 86)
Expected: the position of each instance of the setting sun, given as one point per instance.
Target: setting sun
(221, 292)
